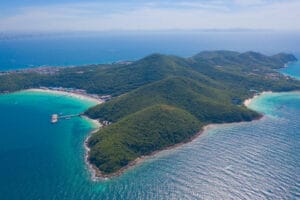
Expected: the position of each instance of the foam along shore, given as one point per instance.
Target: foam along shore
(247, 102)
(92, 169)
(97, 175)
(71, 94)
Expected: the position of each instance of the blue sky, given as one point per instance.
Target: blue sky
(76, 15)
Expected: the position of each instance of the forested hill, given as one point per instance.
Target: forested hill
(117, 79)
(248, 59)
(162, 100)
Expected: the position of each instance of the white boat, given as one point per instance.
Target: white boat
(54, 118)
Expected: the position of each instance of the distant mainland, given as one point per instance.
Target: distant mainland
(160, 101)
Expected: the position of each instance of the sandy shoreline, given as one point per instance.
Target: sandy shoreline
(97, 175)
(247, 102)
(71, 94)
(93, 170)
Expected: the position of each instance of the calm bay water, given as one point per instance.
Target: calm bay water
(39, 160)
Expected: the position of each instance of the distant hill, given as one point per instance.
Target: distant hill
(163, 100)
(248, 59)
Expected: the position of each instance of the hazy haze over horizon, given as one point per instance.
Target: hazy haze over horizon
(75, 15)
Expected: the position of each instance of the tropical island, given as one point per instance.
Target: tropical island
(160, 101)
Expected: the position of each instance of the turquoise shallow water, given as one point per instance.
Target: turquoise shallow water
(256, 160)
(293, 69)
(40, 160)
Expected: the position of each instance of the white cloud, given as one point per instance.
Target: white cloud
(250, 2)
(259, 14)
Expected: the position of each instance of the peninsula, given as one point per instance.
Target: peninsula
(160, 100)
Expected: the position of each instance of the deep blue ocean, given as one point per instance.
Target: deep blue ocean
(91, 48)
(39, 160)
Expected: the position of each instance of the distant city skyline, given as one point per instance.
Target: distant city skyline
(74, 15)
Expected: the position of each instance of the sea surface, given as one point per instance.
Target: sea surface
(67, 49)
(40, 160)
(293, 69)
(254, 160)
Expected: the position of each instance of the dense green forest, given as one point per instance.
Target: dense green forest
(153, 128)
(208, 104)
(163, 100)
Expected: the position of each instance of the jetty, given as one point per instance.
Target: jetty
(56, 117)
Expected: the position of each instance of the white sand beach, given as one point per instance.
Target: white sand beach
(247, 102)
(71, 94)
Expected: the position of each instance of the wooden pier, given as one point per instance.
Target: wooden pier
(56, 117)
